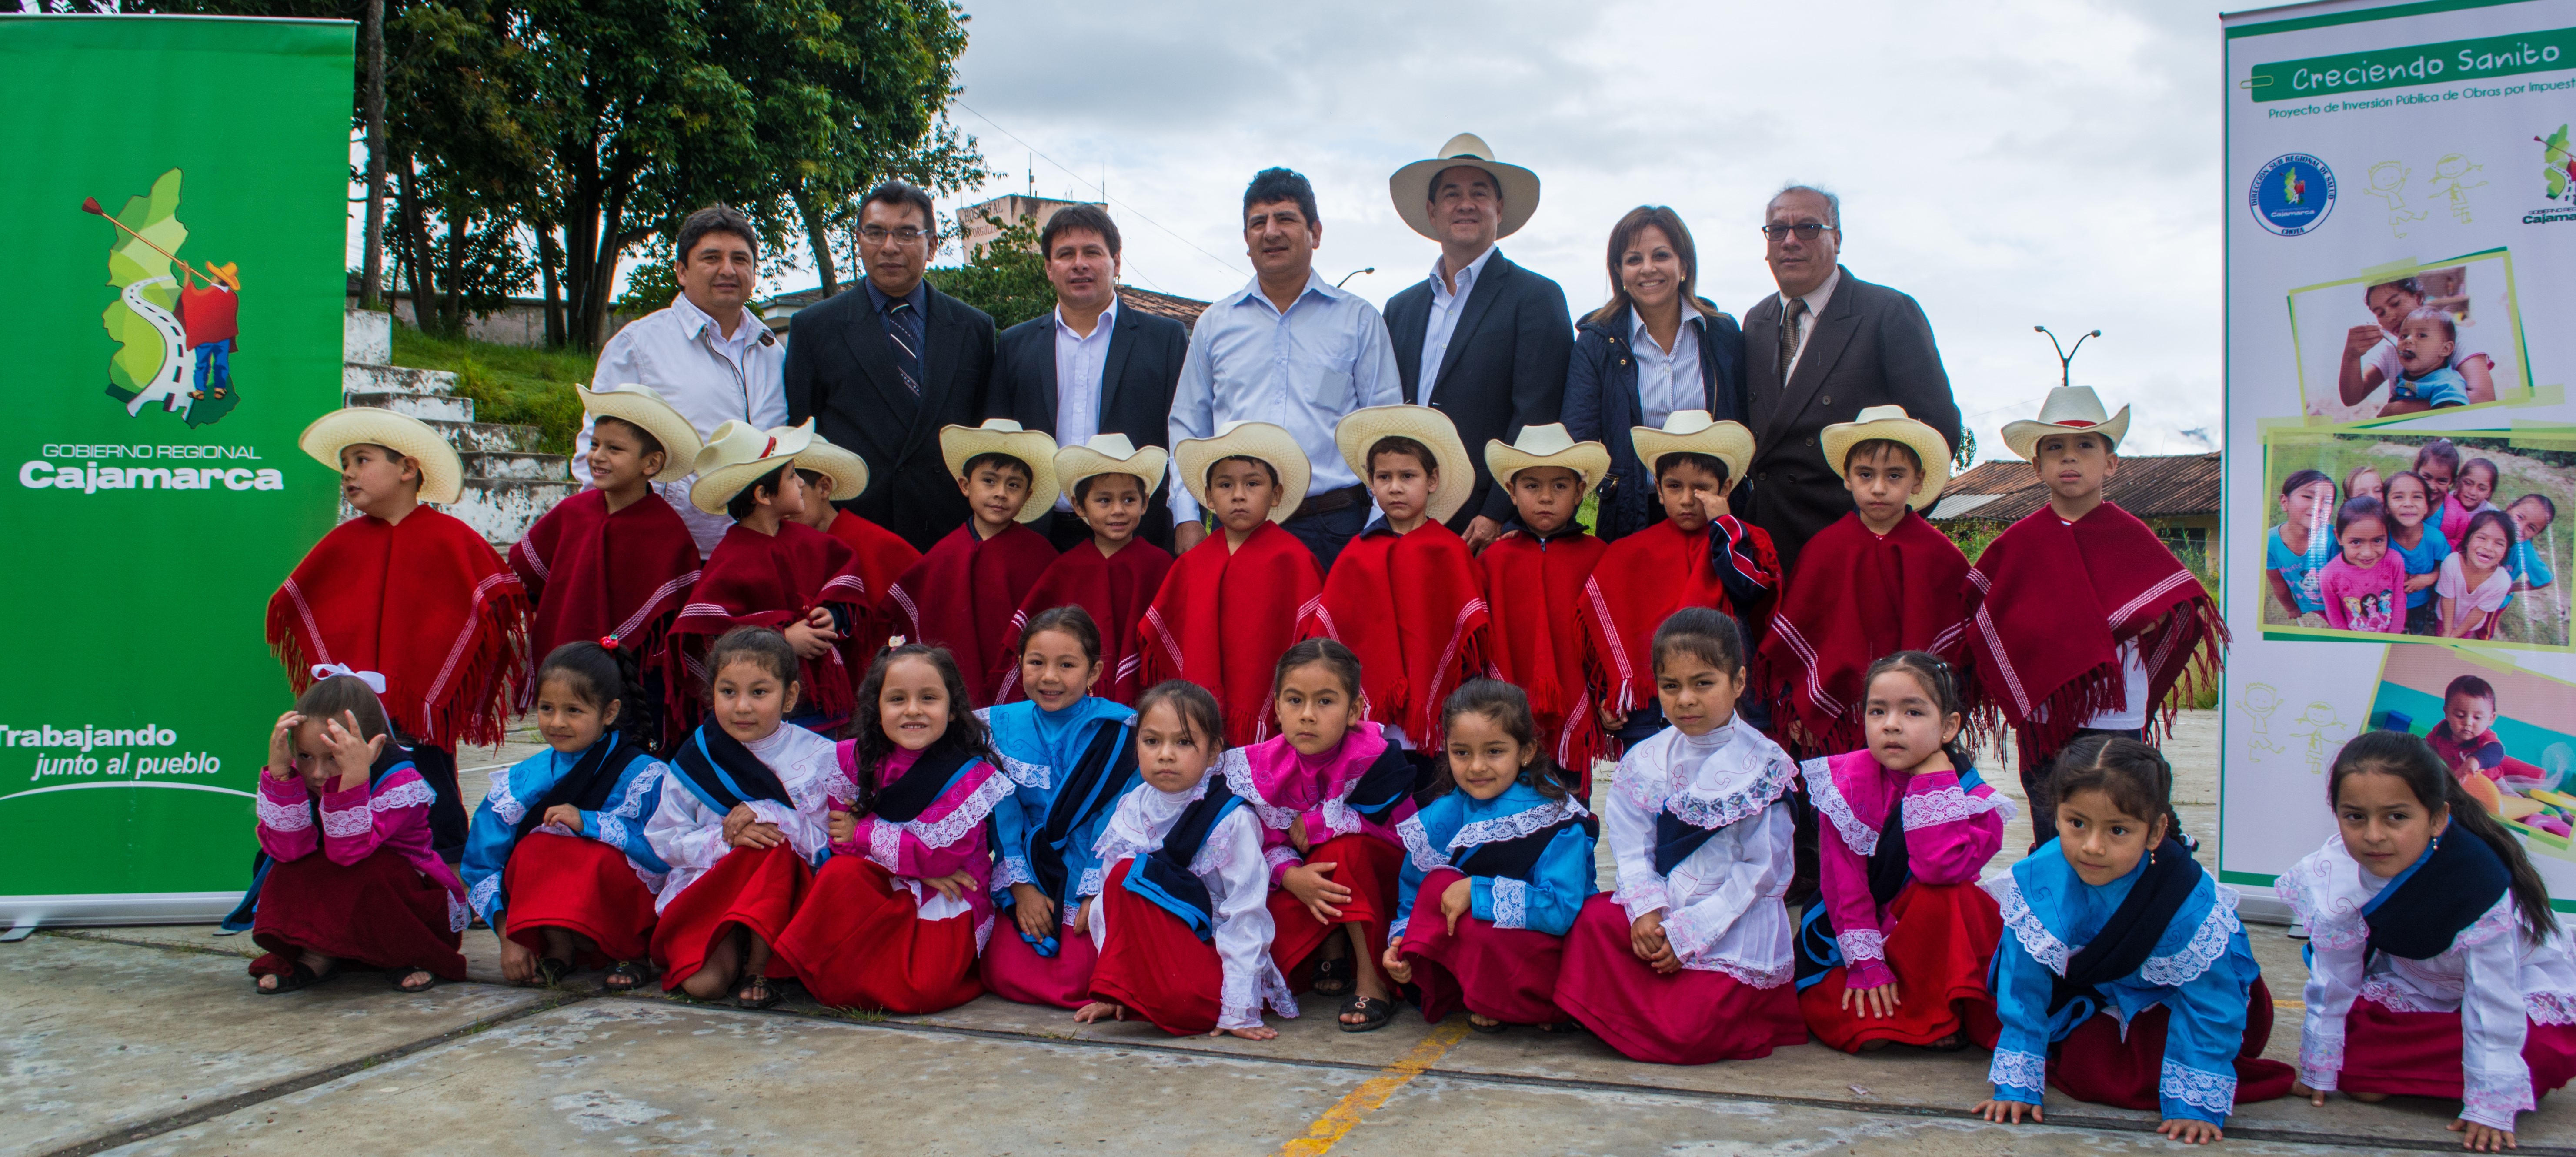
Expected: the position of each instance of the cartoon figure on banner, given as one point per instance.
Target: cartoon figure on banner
(2325, 732)
(2557, 166)
(2388, 183)
(159, 320)
(2449, 181)
(2260, 700)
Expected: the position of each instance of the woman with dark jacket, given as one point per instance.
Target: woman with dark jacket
(1656, 347)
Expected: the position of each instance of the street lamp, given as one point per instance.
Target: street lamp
(2065, 356)
(1354, 273)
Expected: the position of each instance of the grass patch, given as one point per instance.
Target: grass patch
(509, 385)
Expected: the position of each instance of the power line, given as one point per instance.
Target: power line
(1104, 192)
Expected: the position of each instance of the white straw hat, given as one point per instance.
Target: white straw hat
(1547, 445)
(1892, 424)
(2068, 410)
(961, 444)
(847, 471)
(738, 454)
(1110, 454)
(645, 408)
(1362, 428)
(442, 473)
(1694, 432)
(1411, 185)
(1261, 441)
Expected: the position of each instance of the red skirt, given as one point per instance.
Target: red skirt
(1364, 864)
(2095, 1065)
(2417, 1054)
(1153, 965)
(756, 888)
(1944, 940)
(1688, 1017)
(380, 912)
(582, 886)
(1015, 971)
(1508, 974)
(860, 942)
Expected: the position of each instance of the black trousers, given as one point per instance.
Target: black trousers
(447, 818)
(1327, 533)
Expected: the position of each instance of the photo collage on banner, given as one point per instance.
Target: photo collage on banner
(2401, 264)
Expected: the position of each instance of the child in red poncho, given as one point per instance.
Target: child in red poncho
(1115, 576)
(2079, 620)
(963, 593)
(409, 592)
(1878, 581)
(1698, 556)
(832, 473)
(1229, 606)
(1534, 576)
(1406, 595)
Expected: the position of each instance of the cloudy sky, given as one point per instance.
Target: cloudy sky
(2007, 162)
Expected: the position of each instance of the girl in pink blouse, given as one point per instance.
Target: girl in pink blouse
(1897, 950)
(2364, 585)
(903, 908)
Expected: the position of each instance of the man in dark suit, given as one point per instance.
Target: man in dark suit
(882, 367)
(1481, 340)
(1825, 347)
(1089, 367)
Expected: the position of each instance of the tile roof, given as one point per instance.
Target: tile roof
(2149, 486)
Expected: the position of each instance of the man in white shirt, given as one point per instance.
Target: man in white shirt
(708, 354)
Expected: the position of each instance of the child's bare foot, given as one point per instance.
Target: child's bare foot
(1099, 1010)
(1256, 1032)
(417, 980)
(1482, 1023)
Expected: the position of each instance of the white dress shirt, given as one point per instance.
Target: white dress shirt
(1816, 300)
(708, 377)
(1079, 362)
(1667, 380)
(1304, 370)
(1445, 307)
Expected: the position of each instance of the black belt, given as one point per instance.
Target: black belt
(1330, 501)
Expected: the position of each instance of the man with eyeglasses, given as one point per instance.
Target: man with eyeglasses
(881, 367)
(1825, 347)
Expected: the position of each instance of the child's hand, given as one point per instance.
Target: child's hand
(1297, 836)
(1309, 884)
(1033, 911)
(1612, 720)
(2188, 1131)
(761, 834)
(1256, 1032)
(1100, 1010)
(564, 815)
(1874, 1003)
(2478, 1138)
(281, 746)
(952, 885)
(809, 640)
(1399, 968)
(1081, 925)
(842, 825)
(2005, 1112)
(352, 756)
(1713, 506)
(739, 818)
(1458, 900)
(2299, 1088)
(518, 963)
(1646, 939)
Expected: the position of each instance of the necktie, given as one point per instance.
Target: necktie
(903, 331)
(1789, 335)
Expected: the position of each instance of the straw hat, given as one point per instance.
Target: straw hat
(1694, 432)
(848, 471)
(738, 454)
(645, 407)
(1362, 428)
(1890, 423)
(2068, 410)
(1260, 440)
(1110, 454)
(961, 444)
(442, 473)
(1411, 185)
(1548, 445)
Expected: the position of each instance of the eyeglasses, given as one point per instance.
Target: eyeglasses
(877, 235)
(1806, 230)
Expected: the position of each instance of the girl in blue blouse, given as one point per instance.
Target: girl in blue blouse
(1498, 864)
(2125, 960)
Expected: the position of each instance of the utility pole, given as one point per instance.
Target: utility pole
(371, 282)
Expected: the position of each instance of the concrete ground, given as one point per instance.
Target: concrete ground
(150, 1040)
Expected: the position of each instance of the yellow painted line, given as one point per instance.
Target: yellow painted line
(1345, 1114)
(2297, 1006)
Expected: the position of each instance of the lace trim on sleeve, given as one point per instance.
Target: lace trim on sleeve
(483, 893)
(1417, 844)
(344, 824)
(2321, 1056)
(966, 817)
(2036, 939)
(1861, 945)
(458, 916)
(631, 805)
(1339, 819)
(2550, 1007)
(885, 842)
(1281, 856)
(408, 793)
(1641, 897)
(1037, 776)
(2395, 997)
(1511, 903)
(2333, 920)
(504, 804)
(1513, 826)
(2019, 1072)
(2491, 1097)
(2208, 943)
(1091, 882)
(1950, 805)
(1859, 837)
(612, 830)
(2211, 1093)
(284, 817)
(1008, 871)
(983, 934)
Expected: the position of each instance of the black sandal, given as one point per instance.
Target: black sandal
(768, 989)
(550, 971)
(401, 975)
(1377, 1011)
(301, 977)
(1335, 976)
(625, 976)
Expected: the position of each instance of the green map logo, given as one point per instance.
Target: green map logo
(175, 325)
(2557, 166)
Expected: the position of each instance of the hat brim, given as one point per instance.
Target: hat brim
(1410, 187)
(1257, 440)
(2022, 438)
(848, 471)
(714, 489)
(680, 440)
(1728, 442)
(442, 472)
(1926, 442)
(1075, 463)
(1590, 460)
(1354, 434)
(962, 444)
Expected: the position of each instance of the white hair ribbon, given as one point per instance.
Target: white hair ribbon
(374, 681)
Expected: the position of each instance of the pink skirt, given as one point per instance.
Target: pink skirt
(1014, 971)
(2417, 1054)
(1688, 1017)
(1508, 974)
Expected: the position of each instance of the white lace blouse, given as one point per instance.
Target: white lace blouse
(1721, 904)
(1238, 883)
(689, 835)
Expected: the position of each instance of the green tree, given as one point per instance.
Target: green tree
(1007, 279)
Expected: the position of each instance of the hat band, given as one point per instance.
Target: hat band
(2076, 424)
(764, 451)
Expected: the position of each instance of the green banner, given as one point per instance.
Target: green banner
(2411, 65)
(178, 214)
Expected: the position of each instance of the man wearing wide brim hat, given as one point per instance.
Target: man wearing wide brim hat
(1260, 441)
(2067, 410)
(738, 454)
(959, 445)
(1360, 433)
(1482, 340)
(1889, 424)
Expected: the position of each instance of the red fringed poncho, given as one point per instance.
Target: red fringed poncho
(759, 580)
(962, 595)
(426, 603)
(1222, 620)
(2048, 605)
(1412, 607)
(593, 573)
(1643, 578)
(1856, 597)
(883, 557)
(1115, 589)
(1532, 589)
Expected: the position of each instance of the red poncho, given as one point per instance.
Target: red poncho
(1643, 578)
(426, 603)
(1412, 607)
(593, 573)
(1115, 589)
(759, 580)
(962, 595)
(2049, 604)
(1222, 620)
(883, 557)
(1856, 597)
(1532, 589)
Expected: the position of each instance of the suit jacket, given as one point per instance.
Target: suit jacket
(1602, 404)
(1137, 377)
(1871, 346)
(840, 372)
(1505, 367)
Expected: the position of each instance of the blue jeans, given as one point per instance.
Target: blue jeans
(215, 366)
(1326, 534)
